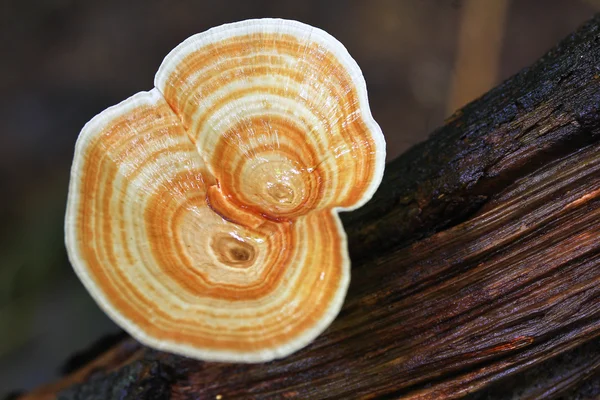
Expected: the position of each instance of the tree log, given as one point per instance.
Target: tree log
(476, 266)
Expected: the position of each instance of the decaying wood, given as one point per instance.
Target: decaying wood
(476, 266)
(540, 114)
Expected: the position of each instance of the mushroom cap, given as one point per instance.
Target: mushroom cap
(202, 215)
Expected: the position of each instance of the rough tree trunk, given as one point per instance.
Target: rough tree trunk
(476, 266)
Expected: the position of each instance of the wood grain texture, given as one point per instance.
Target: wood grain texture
(502, 287)
(545, 111)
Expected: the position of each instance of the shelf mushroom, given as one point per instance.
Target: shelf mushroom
(202, 215)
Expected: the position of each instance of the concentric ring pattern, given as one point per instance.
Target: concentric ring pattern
(202, 215)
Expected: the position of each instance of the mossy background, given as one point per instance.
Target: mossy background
(64, 61)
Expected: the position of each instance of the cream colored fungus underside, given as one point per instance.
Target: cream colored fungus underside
(279, 306)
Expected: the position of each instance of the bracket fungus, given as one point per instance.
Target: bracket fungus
(202, 215)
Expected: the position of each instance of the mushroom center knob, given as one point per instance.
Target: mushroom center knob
(278, 188)
(280, 192)
(233, 251)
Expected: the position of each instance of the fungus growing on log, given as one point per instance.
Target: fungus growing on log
(203, 215)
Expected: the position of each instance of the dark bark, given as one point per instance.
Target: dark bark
(545, 111)
(476, 266)
(573, 374)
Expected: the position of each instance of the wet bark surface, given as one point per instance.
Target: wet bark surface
(476, 267)
(544, 112)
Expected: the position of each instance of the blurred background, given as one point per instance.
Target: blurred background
(63, 61)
